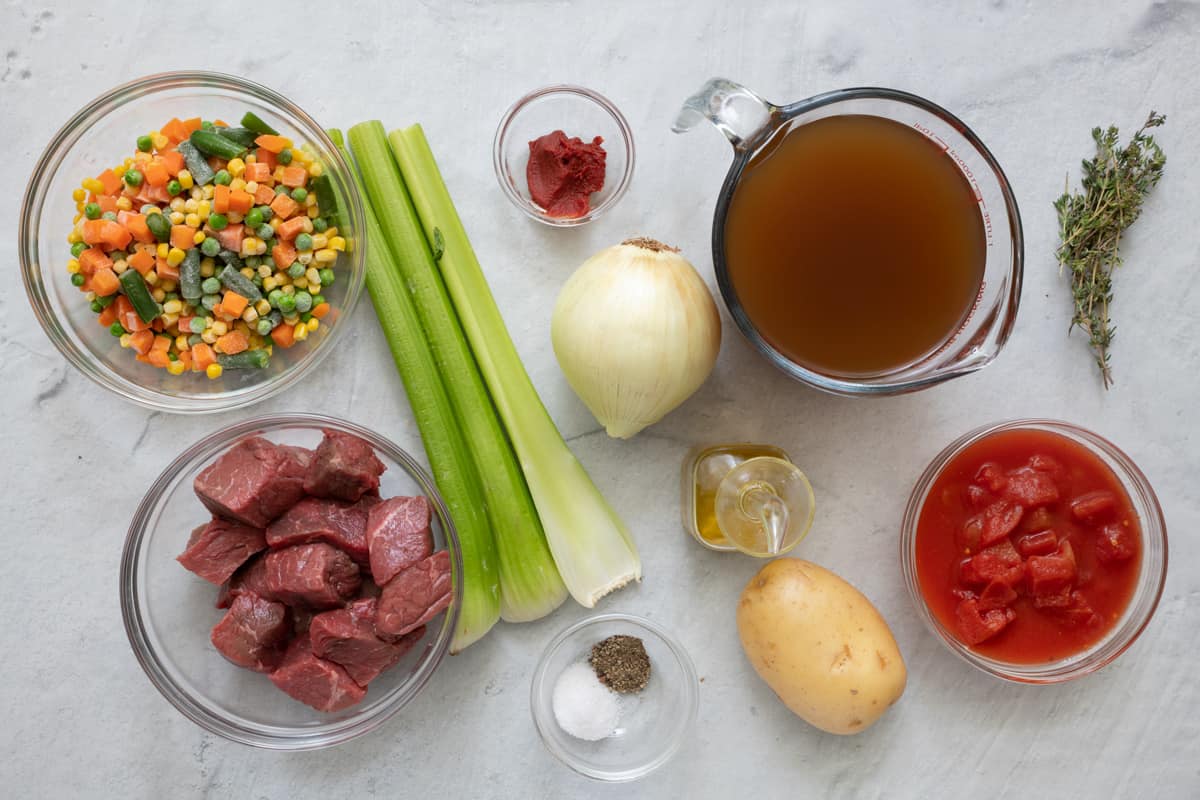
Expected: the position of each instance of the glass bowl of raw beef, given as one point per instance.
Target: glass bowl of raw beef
(291, 581)
(1035, 549)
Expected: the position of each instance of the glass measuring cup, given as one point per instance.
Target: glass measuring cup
(751, 123)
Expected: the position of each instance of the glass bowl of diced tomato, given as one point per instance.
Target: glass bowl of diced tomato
(1034, 549)
(192, 279)
(173, 610)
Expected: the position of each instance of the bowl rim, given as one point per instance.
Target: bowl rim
(501, 137)
(692, 690)
(35, 197)
(282, 738)
(1150, 582)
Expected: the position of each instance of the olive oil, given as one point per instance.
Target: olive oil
(703, 472)
(855, 245)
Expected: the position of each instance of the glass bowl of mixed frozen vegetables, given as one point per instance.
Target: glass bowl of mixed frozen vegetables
(191, 241)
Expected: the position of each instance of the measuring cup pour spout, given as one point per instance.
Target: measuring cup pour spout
(736, 111)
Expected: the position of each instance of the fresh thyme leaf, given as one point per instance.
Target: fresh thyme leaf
(1115, 182)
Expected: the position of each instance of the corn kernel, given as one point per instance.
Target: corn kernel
(190, 204)
(176, 204)
(170, 319)
(301, 155)
(181, 341)
(177, 217)
(120, 265)
(204, 208)
(158, 294)
(262, 306)
(300, 283)
(236, 167)
(185, 179)
(337, 243)
(92, 185)
(175, 367)
(198, 237)
(160, 141)
(269, 283)
(310, 201)
(72, 266)
(314, 277)
(168, 285)
(261, 249)
(242, 327)
(124, 340)
(251, 158)
(250, 314)
(151, 277)
(75, 219)
(196, 193)
(79, 195)
(312, 324)
(320, 241)
(192, 220)
(207, 192)
(124, 203)
(153, 209)
(277, 175)
(73, 237)
(213, 371)
(208, 268)
(236, 184)
(175, 256)
(314, 169)
(89, 296)
(208, 337)
(220, 328)
(300, 332)
(251, 186)
(305, 258)
(264, 270)
(172, 307)
(275, 223)
(326, 256)
(289, 289)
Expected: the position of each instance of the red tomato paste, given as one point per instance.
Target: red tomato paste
(1028, 547)
(564, 172)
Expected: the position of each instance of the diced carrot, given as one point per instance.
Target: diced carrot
(266, 157)
(107, 202)
(320, 311)
(93, 259)
(136, 225)
(273, 143)
(264, 195)
(185, 356)
(293, 228)
(283, 335)
(174, 131)
(127, 316)
(108, 316)
(106, 233)
(217, 311)
(284, 206)
(203, 355)
(158, 195)
(233, 342)
(173, 161)
(192, 124)
(185, 325)
(141, 341)
(105, 283)
(158, 358)
(157, 324)
(257, 171)
(233, 303)
(166, 271)
(240, 201)
(284, 254)
(162, 343)
(220, 123)
(142, 261)
(183, 237)
(110, 180)
(156, 173)
(220, 199)
(294, 176)
(231, 237)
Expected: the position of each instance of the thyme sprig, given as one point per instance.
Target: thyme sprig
(1115, 182)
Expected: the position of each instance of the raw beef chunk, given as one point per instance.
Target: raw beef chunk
(254, 481)
(316, 575)
(398, 535)
(414, 596)
(252, 577)
(253, 632)
(314, 681)
(344, 525)
(347, 636)
(344, 468)
(215, 551)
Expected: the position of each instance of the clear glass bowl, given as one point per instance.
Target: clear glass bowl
(577, 112)
(1150, 580)
(168, 611)
(103, 133)
(654, 722)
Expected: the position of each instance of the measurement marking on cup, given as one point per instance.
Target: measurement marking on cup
(967, 173)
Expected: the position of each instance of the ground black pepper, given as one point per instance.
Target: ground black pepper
(621, 663)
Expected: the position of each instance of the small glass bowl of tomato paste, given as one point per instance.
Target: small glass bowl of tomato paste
(1035, 549)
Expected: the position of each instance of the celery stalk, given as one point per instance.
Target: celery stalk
(449, 457)
(592, 548)
(530, 586)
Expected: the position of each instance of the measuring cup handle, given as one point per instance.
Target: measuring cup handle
(736, 111)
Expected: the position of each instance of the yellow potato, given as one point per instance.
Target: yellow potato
(820, 645)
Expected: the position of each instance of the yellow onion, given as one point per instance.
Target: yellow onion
(636, 332)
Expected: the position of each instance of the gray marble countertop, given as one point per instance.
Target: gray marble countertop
(83, 721)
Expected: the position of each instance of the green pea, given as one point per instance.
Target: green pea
(252, 261)
(296, 269)
(254, 218)
(209, 301)
(210, 285)
(169, 296)
(304, 302)
(223, 177)
(285, 156)
(105, 302)
(281, 189)
(77, 279)
(257, 280)
(133, 177)
(111, 216)
(305, 317)
(218, 222)
(304, 242)
(92, 211)
(77, 249)
(196, 324)
(299, 194)
(265, 232)
(318, 299)
(210, 247)
(263, 327)
(320, 225)
(145, 144)
(287, 303)
(274, 297)
(206, 125)
(326, 275)
(174, 187)
(96, 307)
(150, 208)
(196, 338)
(116, 329)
